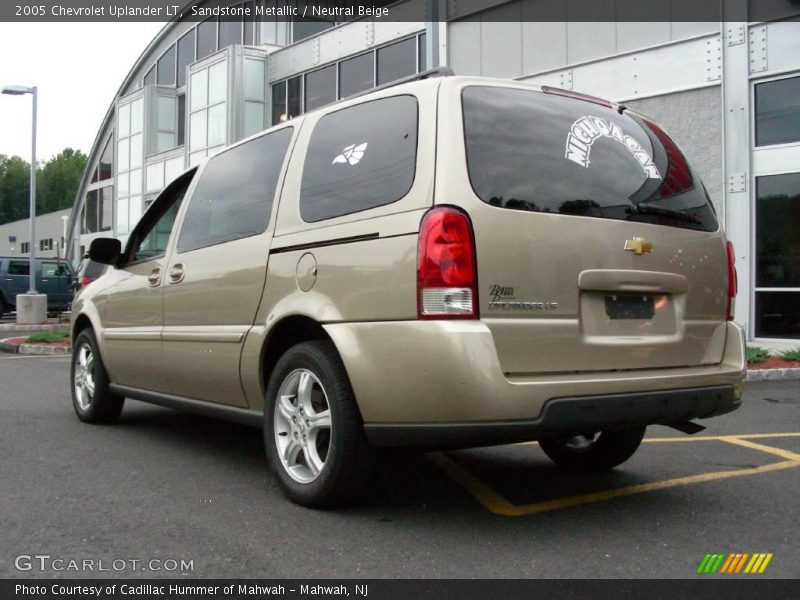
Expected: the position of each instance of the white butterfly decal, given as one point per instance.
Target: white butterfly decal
(351, 154)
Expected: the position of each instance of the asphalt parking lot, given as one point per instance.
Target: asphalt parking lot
(162, 484)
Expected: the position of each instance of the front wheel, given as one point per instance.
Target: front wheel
(593, 451)
(91, 397)
(313, 431)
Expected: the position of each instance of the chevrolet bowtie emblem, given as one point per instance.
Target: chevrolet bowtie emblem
(638, 245)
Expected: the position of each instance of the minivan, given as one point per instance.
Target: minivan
(54, 277)
(449, 262)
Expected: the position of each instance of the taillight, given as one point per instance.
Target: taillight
(446, 279)
(732, 279)
(84, 281)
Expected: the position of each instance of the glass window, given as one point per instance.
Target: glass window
(150, 76)
(18, 267)
(206, 38)
(304, 28)
(249, 24)
(181, 120)
(253, 118)
(91, 212)
(778, 112)
(423, 62)
(356, 75)
(230, 32)
(294, 97)
(234, 195)
(778, 315)
(778, 231)
(397, 60)
(155, 177)
(320, 87)
(172, 168)
(546, 153)
(106, 165)
(253, 79)
(166, 67)
(124, 121)
(137, 115)
(136, 151)
(217, 82)
(216, 124)
(185, 56)
(166, 113)
(123, 154)
(197, 131)
(352, 165)
(198, 89)
(106, 210)
(135, 182)
(278, 102)
(150, 238)
(51, 269)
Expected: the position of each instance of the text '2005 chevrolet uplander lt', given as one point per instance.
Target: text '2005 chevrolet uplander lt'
(448, 262)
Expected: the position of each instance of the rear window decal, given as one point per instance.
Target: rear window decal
(351, 154)
(587, 129)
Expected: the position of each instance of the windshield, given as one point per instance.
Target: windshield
(532, 151)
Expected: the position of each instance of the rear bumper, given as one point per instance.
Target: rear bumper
(431, 382)
(563, 416)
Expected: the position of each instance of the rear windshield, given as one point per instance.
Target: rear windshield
(539, 152)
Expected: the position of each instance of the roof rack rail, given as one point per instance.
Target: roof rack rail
(429, 74)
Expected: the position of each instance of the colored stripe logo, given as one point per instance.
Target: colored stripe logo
(733, 563)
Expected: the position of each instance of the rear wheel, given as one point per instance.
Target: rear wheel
(313, 431)
(593, 451)
(91, 397)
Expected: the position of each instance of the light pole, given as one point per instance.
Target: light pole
(32, 304)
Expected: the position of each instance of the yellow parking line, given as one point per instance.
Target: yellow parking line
(709, 438)
(497, 504)
(793, 456)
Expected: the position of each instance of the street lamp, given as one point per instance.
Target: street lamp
(37, 312)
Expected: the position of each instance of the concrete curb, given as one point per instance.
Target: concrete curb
(41, 327)
(773, 374)
(36, 349)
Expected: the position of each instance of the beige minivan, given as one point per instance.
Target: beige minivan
(449, 262)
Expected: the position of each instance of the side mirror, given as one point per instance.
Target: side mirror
(105, 251)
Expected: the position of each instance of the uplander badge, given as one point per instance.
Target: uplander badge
(501, 297)
(351, 154)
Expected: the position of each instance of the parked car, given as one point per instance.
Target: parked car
(88, 270)
(53, 277)
(449, 262)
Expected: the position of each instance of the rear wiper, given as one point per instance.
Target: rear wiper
(638, 209)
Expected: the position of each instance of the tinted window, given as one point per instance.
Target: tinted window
(303, 28)
(778, 112)
(185, 55)
(106, 161)
(150, 76)
(294, 105)
(54, 269)
(155, 241)
(206, 38)
(278, 101)
(230, 32)
(17, 267)
(166, 67)
(359, 158)
(356, 75)
(320, 87)
(233, 197)
(396, 61)
(545, 153)
(778, 231)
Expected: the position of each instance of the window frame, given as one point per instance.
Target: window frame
(163, 202)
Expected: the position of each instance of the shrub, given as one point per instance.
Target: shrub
(756, 354)
(791, 354)
(51, 336)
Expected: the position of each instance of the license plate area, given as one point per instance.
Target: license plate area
(630, 306)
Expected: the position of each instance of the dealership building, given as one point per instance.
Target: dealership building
(728, 92)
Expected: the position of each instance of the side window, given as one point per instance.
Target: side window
(234, 195)
(18, 267)
(150, 237)
(50, 269)
(359, 158)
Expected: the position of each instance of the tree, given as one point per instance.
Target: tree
(57, 183)
(14, 186)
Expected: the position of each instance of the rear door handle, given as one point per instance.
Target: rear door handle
(155, 277)
(176, 273)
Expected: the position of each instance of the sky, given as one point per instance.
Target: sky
(77, 67)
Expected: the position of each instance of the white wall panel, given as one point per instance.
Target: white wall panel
(464, 46)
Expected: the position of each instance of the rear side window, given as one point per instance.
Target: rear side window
(539, 152)
(233, 197)
(359, 158)
(16, 267)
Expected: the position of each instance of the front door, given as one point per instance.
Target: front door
(131, 302)
(55, 280)
(16, 279)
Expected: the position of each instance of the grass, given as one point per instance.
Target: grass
(50, 336)
(791, 354)
(756, 355)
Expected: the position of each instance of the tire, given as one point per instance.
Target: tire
(92, 400)
(593, 452)
(4, 308)
(313, 432)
